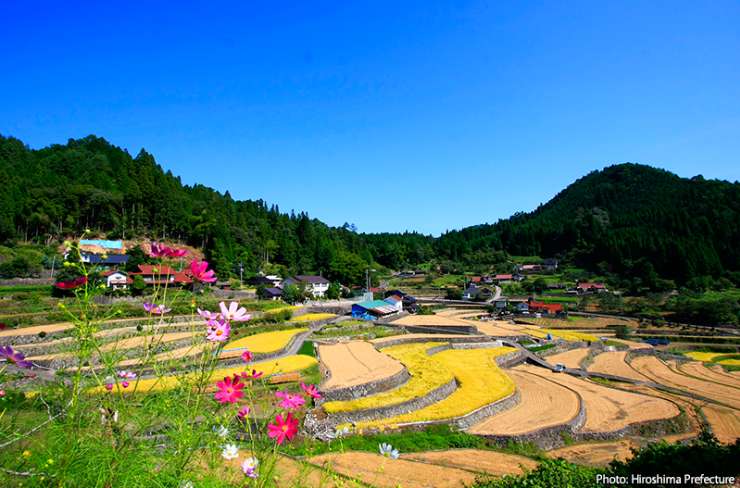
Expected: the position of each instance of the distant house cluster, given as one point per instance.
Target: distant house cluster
(315, 285)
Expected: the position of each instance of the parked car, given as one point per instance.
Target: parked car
(559, 368)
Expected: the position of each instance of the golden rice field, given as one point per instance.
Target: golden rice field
(426, 373)
(480, 381)
(265, 342)
(286, 364)
(713, 357)
(312, 317)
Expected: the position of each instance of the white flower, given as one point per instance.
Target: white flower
(388, 451)
(249, 467)
(186, 484)
(230, 451)
(222, 431)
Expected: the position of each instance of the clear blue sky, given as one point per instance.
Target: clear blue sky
(390, 115)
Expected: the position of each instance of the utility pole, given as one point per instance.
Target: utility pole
(241, 273)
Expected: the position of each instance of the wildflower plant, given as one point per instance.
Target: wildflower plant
(98, 427)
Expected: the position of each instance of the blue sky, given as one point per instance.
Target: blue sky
(391, 115)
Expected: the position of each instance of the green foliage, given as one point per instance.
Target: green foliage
(550, 473)
(334, 291)
(292, 293)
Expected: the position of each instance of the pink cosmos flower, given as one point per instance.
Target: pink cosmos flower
(283, 428)
(229, 390)
(208, 315)
(109, 386)
(126, 375)
(177, 253)
(234, 313)
(200, 271)
(243, 412)
(251, 376)
(156, 309)
(14, 357)
(218, 331)
(158, 250)
(71, 284)
(311, 390)
(2, 393)
(247, 356)
(289, 401)
(249, 467)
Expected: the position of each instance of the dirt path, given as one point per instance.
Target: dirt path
(614, 363)
(595, 453)
(659, 372)
(698, 370)
(355, 363)
(382, 472)
(609, 409)
(571, 359)
(543, 403)
(490, 462)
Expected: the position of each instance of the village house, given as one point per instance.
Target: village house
(271, 293)
(588, 287)
(543, 308)
(317, 286)
(116, 280)
(375, 309)
(104, 260)
(550, 265)
(161, 275)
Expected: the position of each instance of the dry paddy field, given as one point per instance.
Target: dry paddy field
(615, 363)
(595, 453)
(489, 462)
(376, 470)
(543, 403)
(699, 370)
(432, 321)
(658, 371)
(609, 409)
(571, 359)
(355, 363)
(382, 342)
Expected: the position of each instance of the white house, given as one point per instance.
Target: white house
(117, 280)
(315, 285)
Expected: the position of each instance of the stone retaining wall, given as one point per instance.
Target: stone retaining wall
(365, 389)
(434, 396)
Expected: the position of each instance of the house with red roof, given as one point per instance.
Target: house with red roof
(545, 308)
(161, 274)
(588, 287)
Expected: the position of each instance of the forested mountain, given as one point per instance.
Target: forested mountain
(625, 219)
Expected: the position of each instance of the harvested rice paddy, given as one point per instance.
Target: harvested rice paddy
(571, 359)
(489, 462)
(658, 371)
(355, 363)
(595, 453)
(609, 409)
(701, 371)
(382, 472)
(433, 321)
(543, 403)
(615, 362)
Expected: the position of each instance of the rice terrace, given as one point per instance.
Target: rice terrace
(456, 244)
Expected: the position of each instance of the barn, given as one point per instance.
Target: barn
(374, 309)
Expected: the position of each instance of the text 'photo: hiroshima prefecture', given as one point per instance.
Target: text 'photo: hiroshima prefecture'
(441, 244)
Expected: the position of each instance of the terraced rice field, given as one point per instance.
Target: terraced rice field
(595, 453)
(381, 342)
(376, 470)
(282, 365)
(575, 322)
(615, 363)
(496, 330)
(609, 409)
(264, 343)
(427, 374)
(125, 344)
(567, 335)
(312, 317)
(571, 359)
(480, 383)
(543, 403)
(489, 462)
(699, 370)
(658, 371)
(634, 344)
(355, 363)
(724, 421)
(432, 321)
